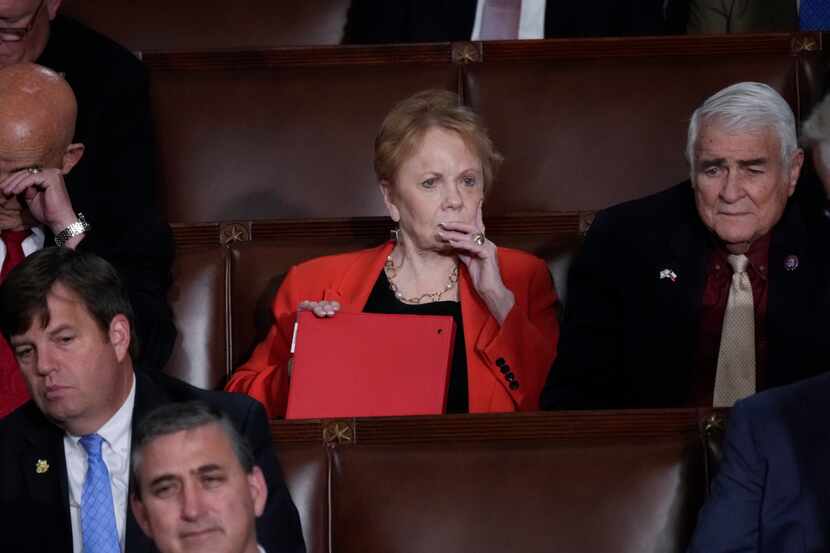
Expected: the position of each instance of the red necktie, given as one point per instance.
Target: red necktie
(500, 20)
(13, 392)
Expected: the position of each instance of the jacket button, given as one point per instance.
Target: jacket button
(500, 361)
(504, 369)
(510, 377)
(514, 385)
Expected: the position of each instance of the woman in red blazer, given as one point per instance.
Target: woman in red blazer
(433, 160)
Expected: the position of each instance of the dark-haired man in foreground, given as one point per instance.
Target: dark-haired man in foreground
(196, 486)
(64, 456)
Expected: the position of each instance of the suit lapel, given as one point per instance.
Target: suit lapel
(679, 298)
(478, 325)
(43, 464)
(355, 286)
(678, 275)
(793, 280)
(148, 395)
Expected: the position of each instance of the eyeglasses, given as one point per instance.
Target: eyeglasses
(16, 34)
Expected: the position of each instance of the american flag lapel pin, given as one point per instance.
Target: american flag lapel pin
(669, 274)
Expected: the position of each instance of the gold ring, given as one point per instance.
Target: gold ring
(478, 239)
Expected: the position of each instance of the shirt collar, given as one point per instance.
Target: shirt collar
(758, 255)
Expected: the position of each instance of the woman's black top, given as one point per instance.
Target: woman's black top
(383, 300)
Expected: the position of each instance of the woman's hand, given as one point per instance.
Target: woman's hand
(320, 308)
(481, 262)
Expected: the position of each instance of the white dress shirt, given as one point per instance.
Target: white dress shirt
(117, 434)
(30, 244)
(531, 20)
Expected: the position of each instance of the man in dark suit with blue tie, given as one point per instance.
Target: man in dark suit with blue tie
(64, 455)
(772, 491)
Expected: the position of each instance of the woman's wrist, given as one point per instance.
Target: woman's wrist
(499, 303)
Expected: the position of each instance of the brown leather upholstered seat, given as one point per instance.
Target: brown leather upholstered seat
(612, 482)
(281, 143)
(586, 134)
(306, 470)
(199, 301)
(195, 24)
(288, 133)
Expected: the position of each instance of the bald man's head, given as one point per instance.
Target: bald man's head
(37, 116)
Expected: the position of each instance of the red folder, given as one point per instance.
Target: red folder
(368, 365)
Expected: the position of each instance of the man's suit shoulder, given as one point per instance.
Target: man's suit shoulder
(174, 390)
(786, 402)
(642, 213)
(643, 224)
(86, 45)
(19, 424)
(330, 270)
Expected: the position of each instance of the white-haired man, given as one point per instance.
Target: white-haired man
(706, 292)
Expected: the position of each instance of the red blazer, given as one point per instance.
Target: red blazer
(525, 342)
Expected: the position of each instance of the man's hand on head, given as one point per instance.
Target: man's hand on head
(45, 194)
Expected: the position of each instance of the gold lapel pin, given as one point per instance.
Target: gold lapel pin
(41, 466)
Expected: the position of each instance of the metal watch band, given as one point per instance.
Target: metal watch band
(77, 228)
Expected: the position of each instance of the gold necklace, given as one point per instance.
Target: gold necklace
(392, 273)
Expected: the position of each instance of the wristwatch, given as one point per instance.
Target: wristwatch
(75, 229)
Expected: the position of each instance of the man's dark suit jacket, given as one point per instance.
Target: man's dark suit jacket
(114, 183)
(401, 21)
(629, 338)
(34, 507)
(772, 490)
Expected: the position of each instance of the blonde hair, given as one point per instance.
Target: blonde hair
(407, 122)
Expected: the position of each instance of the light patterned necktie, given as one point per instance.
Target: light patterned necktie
(500, 19)
(735, 377)
(98, 530)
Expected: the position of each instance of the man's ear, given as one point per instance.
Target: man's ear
(71, 157)
(386, 191)
(795, 170)
(259, 490)
(52, 6)
(140, 514)
(119, 335)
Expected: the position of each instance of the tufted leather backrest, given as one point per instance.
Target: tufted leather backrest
(583, 124)
(628, 481)
(196, 24)
(199, 300)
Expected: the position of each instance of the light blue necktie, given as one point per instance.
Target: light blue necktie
(100, 535)
(814, 15)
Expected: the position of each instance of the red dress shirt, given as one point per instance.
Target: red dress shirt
(715, 296)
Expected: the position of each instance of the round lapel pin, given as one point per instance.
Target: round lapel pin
(791, 262)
